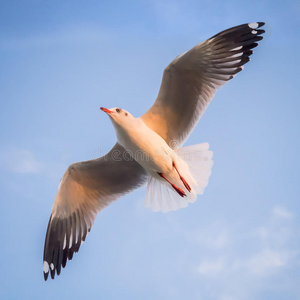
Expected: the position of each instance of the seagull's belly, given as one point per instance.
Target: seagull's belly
(149, 150)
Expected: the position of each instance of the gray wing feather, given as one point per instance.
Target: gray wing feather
(190, 81)
(85, 189)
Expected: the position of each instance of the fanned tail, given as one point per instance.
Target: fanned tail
(161, 197)
(199, 160)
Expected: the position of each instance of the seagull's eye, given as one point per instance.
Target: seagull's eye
(118, 110)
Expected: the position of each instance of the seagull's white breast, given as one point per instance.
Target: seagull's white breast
(146, 147)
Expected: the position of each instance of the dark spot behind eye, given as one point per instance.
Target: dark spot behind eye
(126, 114)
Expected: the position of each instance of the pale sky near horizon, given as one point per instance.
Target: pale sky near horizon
(60, 61)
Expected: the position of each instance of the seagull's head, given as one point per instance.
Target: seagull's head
(119, 116)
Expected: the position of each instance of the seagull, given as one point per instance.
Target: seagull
(149, 148)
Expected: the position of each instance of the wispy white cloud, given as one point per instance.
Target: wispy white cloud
(25, 162)
(267, 260)
(272, 254)
(281, 212)
(20, 161)
(23, 171)
(211, 267)
(274, 239)
(213, 237)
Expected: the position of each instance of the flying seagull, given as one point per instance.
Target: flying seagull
(149, 147)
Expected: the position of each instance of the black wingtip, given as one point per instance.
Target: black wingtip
(63, 238)
(231, 49)
(46, 275)
(260, 24)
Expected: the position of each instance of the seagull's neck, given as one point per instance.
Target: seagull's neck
(129, 130)
(137, 136)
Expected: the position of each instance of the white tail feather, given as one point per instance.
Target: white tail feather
(199, 160)
(161, 197)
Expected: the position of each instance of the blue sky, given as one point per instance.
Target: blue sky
(60, 61)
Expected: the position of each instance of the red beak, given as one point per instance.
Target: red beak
(106, 110)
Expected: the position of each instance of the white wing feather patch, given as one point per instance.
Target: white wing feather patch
(253, 25)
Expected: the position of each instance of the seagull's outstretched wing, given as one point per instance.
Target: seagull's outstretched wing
(85, 189)
(191, 80)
